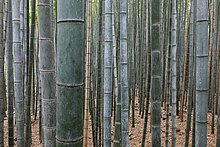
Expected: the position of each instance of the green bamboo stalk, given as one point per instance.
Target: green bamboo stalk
(201, 45)
(148, 72)
(124, 73)
(10, 79)
(108, 54)
(174, 69)
(30, 72)
(168, 74)
(156, 71)
(18, 74)
(190, 83)
(70, 60)
(47, 72)
(117, 134)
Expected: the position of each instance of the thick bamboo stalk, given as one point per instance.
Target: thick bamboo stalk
(18, 74)
(47, 72)
(201, 45)
(124, 73)
(156, 72)
(69, 81)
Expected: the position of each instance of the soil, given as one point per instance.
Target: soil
(135, 133)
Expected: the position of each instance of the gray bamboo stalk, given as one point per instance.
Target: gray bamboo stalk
(108, 50)
(215, 51)
(148, 73)
(70, 60)
(22, 24)
(168, 70)
(18, 74)
(99, 74)
(2, 81)
(25, 48)
(30, 59)
(124, 73)
(214, 62)
(22, 42)
(10, 79)
(190, 79)
(5, 20)
(117, 134)
(156, 71)
(201, 45)
(47, 72)
(185, 66)
(218, 41)
(174, 68)
(87, 80)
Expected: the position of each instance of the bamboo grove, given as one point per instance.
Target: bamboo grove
(97, 67)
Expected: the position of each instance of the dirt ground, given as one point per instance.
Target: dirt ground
(35, 133)
(135, 133)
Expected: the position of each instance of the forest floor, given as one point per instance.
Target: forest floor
(135, 134)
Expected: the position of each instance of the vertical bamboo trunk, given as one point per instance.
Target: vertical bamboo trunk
(124, 73)
(185, 67)
(22, 26)
(10, 79)
(108, 50)
(156, 71)
(133, 62)
(26, 48)
(148, 73)
(211, 56)
(70, 60)
(47, 72)
(99, 78)
(190, 79)
(215, 25)
(168, 75)
(201, 45)
(174, 69)
(30, 72)
(211, 65)
(18, 74)
(218, 41)
(2, 81)
(117, 134)
(87, 80)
